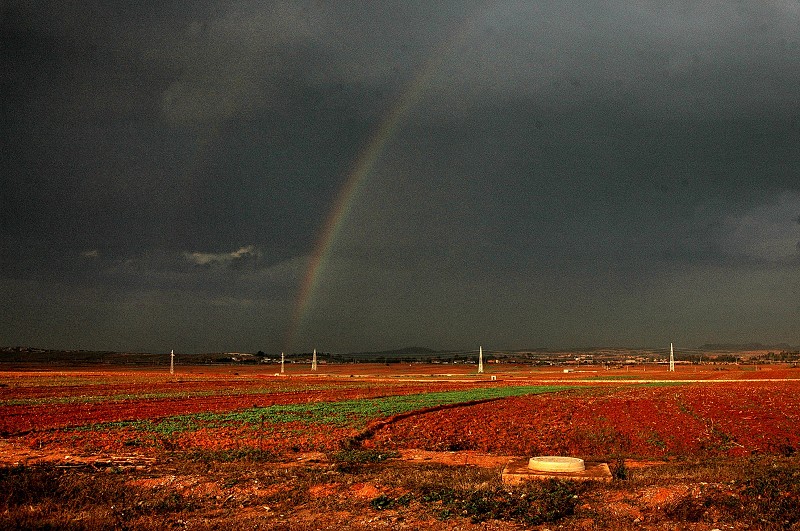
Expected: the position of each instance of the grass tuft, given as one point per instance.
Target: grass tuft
(254, 455)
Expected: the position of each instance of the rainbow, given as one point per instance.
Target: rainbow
(362, 167)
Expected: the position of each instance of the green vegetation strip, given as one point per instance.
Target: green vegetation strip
(353, 413)
(87, 399)
(627, 378)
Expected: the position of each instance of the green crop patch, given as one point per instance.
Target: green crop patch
(163, 395)
(352, 413)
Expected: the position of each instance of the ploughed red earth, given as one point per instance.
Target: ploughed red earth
(645, 413)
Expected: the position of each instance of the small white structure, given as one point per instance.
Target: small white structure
(671, 359)
(314, 361)
(282, 362)
(172, 362)
(480, 361)
(556, 463)
(521, 469)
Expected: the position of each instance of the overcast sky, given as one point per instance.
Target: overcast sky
(545, 174)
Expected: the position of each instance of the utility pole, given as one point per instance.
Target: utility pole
(172, 362)
(480, 361)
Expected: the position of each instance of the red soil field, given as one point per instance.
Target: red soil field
(611, 414)
(692, 419)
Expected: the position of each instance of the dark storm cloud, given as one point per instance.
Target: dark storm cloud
(178, 161)
(135, 109)
(592, 186)
(677, 59)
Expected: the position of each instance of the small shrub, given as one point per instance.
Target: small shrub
(620, 471)
(385, 502)
(382, 502)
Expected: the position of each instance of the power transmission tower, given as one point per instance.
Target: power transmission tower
(671, 359)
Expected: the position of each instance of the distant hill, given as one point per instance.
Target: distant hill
(25, 355)
(91, 357)
(405, 351)
(739, 347)
(395, 355)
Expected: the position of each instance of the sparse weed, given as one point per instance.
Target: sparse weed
(255, 455)
(383, 501)
(362, 456)
(531, 504)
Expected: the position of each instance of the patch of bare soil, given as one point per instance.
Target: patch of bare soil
(14, 454)
(467, 457)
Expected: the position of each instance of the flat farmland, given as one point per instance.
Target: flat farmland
(345, 437)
